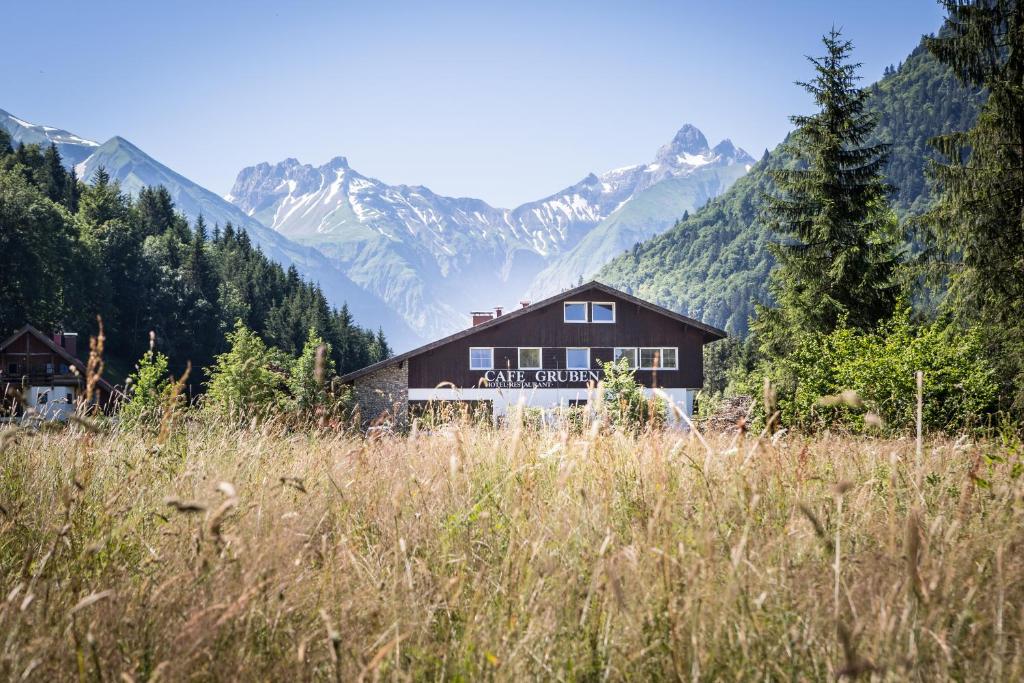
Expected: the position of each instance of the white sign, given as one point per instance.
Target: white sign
(539, 379)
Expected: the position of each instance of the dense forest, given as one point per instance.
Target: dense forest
(71, 251)
(714, 264)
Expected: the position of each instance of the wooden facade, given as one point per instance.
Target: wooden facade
(45, 373)
(636, 326)
(443, 370)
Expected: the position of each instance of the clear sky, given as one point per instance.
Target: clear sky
(507, 101)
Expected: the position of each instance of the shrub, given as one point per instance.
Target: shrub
(248, 381)
(150, 386)
(877, 371)
(624, 401)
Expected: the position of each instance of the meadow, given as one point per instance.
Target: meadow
(469, 553)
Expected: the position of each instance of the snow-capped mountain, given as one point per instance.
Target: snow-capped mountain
(134, 169)
(434, 257)
(73, 149)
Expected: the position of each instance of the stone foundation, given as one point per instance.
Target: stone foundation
(383, 396)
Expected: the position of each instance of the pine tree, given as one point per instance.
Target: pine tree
(837, 258)
(977, 226)
(56, 176)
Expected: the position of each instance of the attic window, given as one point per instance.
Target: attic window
(603, 312)
(575, 312)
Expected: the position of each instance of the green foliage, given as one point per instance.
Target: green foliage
(70, 251)
(309, 379)
(150, 387)
(624, 399)
(837, 256)
(249, 380)
(714, 264)
(976, 229)
(879, 368)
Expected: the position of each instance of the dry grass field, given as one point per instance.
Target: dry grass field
(473, 553)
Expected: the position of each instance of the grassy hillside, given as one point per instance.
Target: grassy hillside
(482, 554)
(715, 265)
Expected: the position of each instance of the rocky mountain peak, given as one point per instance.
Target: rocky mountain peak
(688, 141)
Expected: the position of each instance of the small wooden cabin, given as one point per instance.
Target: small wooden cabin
(46, 373)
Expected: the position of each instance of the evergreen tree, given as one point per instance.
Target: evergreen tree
(837, 259)
(311, 374)
(977, 227)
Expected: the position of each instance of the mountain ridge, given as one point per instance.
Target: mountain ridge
(433, 257)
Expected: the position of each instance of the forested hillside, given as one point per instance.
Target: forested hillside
(70, 251)
(714, 264)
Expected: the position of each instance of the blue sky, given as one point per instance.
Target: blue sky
(503, 101)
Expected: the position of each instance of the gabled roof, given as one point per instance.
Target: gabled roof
(59, 350)
(713, 333)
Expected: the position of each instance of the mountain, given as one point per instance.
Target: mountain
(685, 175)
(73, 149)
(714, 265)
(433, 258)
(134, 169)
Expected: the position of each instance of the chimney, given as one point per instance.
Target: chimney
(480, 317)
(497, 311)
(524, 303)
(71, 343)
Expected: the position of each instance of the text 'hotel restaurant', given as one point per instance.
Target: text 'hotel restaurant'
(544, 355)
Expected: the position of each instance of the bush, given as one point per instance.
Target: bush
(150, 386)
(249, 380)
(877, 372)
(624, 401)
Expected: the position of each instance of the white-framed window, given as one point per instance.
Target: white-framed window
(659, 358)
(577, 358)
(574, 311)
(602, 312)
(529, 358)
(627, 352)
(481, 358)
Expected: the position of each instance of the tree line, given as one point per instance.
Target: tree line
(71, 251)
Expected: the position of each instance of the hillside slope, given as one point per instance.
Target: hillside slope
(714, 265)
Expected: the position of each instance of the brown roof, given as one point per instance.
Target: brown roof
(59, 350)
(712, 333)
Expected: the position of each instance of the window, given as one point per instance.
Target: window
(626, 352)
(602, 312)
(529, 358)
(12, 368)
(666, 358)
(575, 312)
(481, 358)
(577, 359)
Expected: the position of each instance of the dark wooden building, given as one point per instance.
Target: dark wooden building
(544, 355)
(47, 373)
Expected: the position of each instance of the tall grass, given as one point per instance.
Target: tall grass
(473, 553)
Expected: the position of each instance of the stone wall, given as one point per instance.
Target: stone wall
(385, 391)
